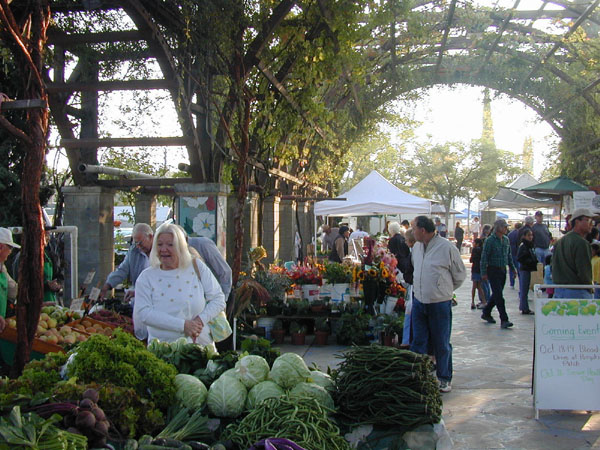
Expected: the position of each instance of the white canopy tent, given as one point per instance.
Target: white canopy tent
(374, 195)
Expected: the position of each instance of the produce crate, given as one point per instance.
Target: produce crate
(92, 321)
(8, 345)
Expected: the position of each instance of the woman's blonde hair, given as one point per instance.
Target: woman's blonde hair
(409, 235)
(394, 228)
(179, 244)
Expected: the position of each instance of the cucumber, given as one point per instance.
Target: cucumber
(145, 439)
(198, 445)
(131, 444)
(168, 442)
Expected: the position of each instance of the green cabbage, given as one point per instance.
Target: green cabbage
(251, 370)
(262, 391)
(315, 391)
(230, 373)
(226, 397)
(322, 379)
(191, 392)
(288, 370)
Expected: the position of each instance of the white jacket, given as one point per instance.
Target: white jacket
(439, 270)
(165, 299)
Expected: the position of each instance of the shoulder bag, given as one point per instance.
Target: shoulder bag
(219, 326)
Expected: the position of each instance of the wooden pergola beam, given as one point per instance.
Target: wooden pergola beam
(113, 85)
(563, 104)
(501, 31)
(556, 46)
(56, 37)
(283, 91)
(142, 182)
(126, 142)
(449, 19)
(23, 104)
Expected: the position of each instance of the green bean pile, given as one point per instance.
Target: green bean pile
(387, 386)
(302, 420)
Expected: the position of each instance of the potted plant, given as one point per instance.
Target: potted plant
(298, 333)
(352, 329)
(321, 331)
(278, 333)
(318, 306)
(276, 281)
(338, 277)
(392, 326)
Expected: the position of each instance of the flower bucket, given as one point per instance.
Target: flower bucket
(310, 292)
(321, 337)
(278, 336)
(267, 324)
(339, 291)
(390, 304)
(298, 338)
(370, 294)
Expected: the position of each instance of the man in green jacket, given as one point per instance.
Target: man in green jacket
(572, 258)
(495, 257)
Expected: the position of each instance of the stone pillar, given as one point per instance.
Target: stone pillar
(306, 218)
(287, 229)
(487, 217)
(201, 209)
(145, 209)
(251, 229)
(90, 209)
(271, 228)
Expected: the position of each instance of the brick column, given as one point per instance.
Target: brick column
(287, 229)
(145, 209)
(90, 209)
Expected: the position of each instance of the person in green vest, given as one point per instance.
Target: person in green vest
(51, 283)
(8, 286)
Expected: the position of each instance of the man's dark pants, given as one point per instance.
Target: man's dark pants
(497, 279)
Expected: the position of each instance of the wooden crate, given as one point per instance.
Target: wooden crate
(8, 345)
(93, 322)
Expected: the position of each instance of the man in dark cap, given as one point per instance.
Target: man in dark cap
(496, 255)
(340, 245)
(572, 258)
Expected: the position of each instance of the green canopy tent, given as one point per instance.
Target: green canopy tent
(556, 188)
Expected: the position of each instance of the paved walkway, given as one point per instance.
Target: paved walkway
(491, 405)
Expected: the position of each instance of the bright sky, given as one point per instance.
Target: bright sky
(456, 114)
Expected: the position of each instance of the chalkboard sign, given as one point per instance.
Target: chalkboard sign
(567, 354)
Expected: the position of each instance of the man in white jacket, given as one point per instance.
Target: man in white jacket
(438, 272)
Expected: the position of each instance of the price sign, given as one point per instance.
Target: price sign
(76, 304)
(89, 277)
(94, 294)
(567, 354)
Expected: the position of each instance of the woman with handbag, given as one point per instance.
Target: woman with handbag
(527, 264)
(177, 296)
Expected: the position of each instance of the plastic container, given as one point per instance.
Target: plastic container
(267, 324)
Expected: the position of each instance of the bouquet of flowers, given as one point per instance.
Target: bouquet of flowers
(275, 280)
(337, 273)
(395, 289)
(305, 274)
(379, 264)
